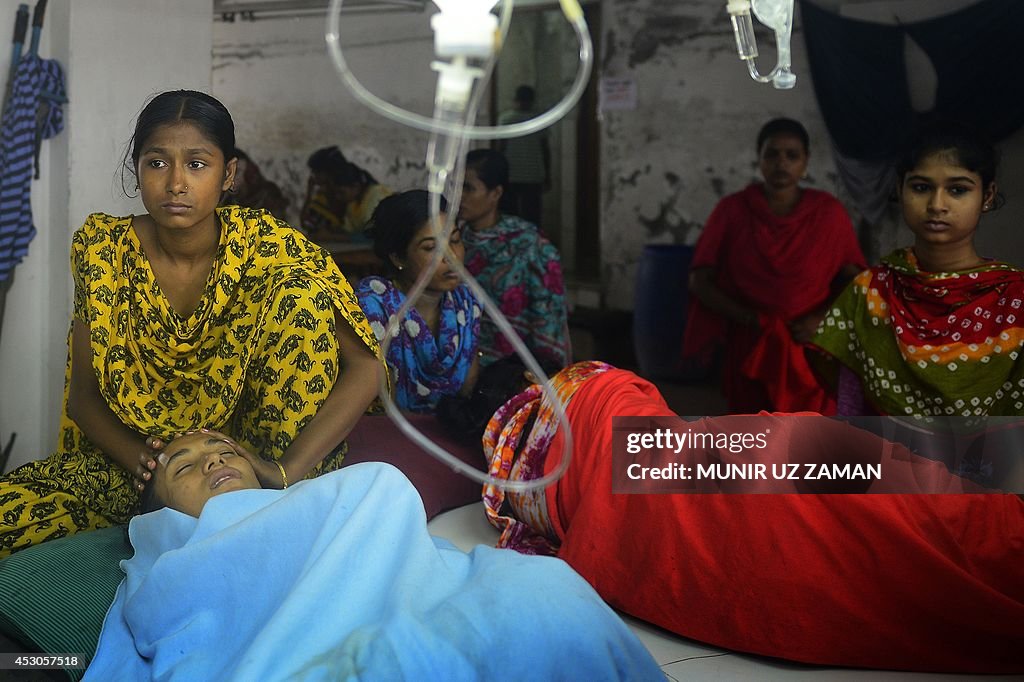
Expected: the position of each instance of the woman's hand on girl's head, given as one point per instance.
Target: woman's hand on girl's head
(147, 461)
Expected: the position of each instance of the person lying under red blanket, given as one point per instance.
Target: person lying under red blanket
(893, 581)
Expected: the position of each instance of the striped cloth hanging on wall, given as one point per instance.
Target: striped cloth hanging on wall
(34, 112)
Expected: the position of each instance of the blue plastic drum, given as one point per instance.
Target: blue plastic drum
(660, 300)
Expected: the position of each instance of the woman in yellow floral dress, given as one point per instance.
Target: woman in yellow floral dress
(192, 316)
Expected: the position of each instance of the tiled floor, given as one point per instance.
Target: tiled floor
(679, 658)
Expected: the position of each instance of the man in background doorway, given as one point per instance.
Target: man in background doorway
(529, 160)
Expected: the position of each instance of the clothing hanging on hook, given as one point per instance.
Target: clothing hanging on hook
(33, 113)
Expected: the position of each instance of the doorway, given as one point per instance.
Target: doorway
(541, 51)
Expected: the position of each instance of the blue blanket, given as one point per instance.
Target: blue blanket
(337, 578)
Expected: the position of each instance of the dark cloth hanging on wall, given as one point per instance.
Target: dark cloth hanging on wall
(976, 54)
(859, 81)
(860, 76)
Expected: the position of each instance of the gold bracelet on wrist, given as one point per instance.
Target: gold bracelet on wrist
(284, 476)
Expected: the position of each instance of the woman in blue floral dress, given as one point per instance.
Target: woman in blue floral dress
(434, 351)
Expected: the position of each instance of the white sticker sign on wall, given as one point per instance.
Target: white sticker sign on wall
(618, 94)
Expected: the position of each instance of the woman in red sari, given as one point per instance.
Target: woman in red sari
(902, 582)
(768, 262)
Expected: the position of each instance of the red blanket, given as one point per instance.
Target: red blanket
(906, 582)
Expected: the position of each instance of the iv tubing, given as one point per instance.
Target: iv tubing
(752, 69)
(447, 171)
(446, 161)
(572, 11)
(781, 75)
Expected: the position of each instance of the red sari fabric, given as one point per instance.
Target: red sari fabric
(903, 582)
(779, 365)
(782, 266)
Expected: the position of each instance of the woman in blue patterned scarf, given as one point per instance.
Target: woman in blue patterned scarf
(435, 350)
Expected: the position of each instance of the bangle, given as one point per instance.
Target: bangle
(284, 476)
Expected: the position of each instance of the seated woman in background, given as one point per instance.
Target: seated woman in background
(340, 197)
(252, 190)
(434, 353)
(226, 583)
(908, 582)
(517, 267)
(935, 329)
(768, 262)
(190, 315)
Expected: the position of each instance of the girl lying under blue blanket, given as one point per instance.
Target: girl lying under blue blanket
(337, 578)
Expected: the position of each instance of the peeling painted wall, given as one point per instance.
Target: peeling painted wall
(691, 138)
(664, 165)
(287, 101)
(688, 142)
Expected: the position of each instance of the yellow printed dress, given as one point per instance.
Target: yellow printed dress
(357, 213)
(256, 359)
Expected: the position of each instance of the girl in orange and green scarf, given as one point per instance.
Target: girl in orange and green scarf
(935, 329)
